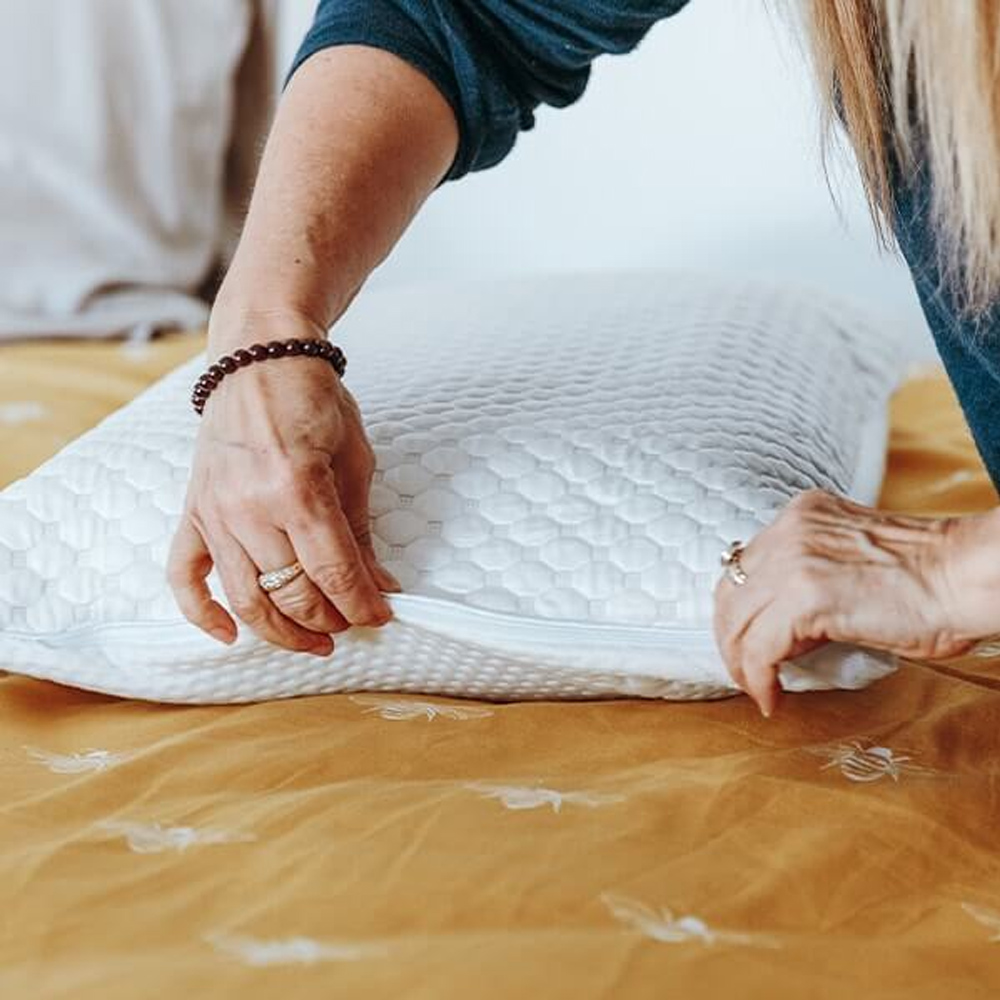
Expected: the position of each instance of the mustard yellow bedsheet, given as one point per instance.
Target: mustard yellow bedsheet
(380, 846)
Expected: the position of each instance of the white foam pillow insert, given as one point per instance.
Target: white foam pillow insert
(560, 463)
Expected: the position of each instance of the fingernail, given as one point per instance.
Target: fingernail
(223, 635)
(765, 711)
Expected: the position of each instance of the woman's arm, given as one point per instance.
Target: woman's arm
(387, 98)
(282, 467)
(360, 140)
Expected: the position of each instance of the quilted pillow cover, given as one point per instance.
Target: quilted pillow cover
(560, 463)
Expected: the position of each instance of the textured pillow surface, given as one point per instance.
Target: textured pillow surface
(560, 463)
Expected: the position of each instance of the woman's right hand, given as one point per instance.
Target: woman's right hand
(282, 472)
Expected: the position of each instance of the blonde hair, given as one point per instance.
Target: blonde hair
(920, 79)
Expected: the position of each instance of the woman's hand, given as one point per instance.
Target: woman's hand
(282, 467)
(281, 474)
(828, 569)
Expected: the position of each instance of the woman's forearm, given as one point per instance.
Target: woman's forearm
(360, 140)
(970, 574)
(283, 469)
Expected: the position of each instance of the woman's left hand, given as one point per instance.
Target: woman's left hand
(829, 570)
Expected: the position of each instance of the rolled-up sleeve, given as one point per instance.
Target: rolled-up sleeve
(494, 61)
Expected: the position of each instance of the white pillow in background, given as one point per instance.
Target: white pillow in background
(115, 119)
(560, 462)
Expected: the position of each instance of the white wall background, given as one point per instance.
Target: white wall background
(700, 150)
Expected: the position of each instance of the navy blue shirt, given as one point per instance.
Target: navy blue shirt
(496, 61)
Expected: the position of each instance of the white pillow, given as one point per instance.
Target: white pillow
(560, 463)
(115, 119)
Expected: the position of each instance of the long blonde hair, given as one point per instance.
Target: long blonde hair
(921, 78)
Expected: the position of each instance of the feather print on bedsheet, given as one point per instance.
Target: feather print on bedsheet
(534, 797)
(22, 412)
(867, 763)
(405, 709)
(154, 838)
(84, 761)
(985, 915)
(262, 952)
(661, 925)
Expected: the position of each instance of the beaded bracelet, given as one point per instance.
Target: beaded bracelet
(230, 363)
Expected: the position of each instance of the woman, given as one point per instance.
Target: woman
(390, 97)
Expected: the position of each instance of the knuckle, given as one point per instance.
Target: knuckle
(248, 609)
(807, 501)
(362, 530)
(790, 526)
(300, 604)
(312, 491)
(266, 621)
(792, 531)
(297, 480)
(372, 617)
(291, 482)
(338, 577)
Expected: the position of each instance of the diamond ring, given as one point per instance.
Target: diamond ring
(275, 579)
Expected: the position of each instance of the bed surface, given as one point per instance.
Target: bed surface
(375, 845)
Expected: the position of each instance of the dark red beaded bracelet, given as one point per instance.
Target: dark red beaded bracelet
(230, 363)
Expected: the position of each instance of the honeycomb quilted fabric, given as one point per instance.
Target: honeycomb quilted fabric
(560, 463)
